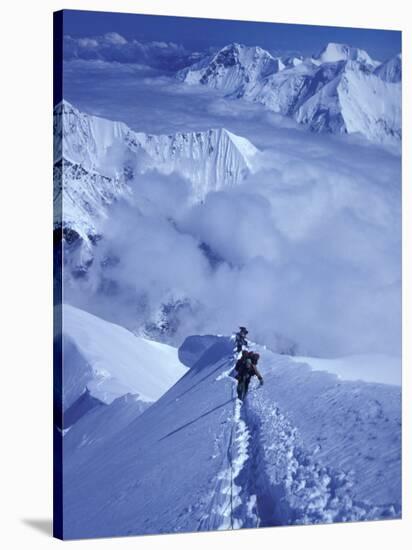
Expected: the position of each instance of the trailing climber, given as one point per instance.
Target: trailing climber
(245, 368)
(240, 362)
(240, 339)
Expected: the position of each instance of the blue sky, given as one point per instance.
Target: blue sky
(198, 34)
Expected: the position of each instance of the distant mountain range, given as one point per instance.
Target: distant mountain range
(340, 90)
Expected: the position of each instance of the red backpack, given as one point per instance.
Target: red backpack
(244, 365)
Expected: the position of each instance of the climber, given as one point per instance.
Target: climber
(245, 368)
(241, 361)
(240, 339)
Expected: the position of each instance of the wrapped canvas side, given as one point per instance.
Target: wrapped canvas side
(57, 291)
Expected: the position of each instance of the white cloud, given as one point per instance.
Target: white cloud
(113, 47)
(309, 246)
(115, 38)
(88, 43)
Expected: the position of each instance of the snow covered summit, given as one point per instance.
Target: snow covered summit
(232, 68)
(334, 52)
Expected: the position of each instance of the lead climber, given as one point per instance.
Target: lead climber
(240, 339)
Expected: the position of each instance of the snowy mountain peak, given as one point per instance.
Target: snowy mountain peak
(334, 52)
(210, 159)
(97, 160)
(391, 70)
(66, 107)
(89, 140)
(232, 68)
(355, 102)
(243, 53)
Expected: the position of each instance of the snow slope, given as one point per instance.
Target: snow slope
(304, 448)
(390, 70)
(110, 361)
(383, 369)
(210, 160)
(356, 102)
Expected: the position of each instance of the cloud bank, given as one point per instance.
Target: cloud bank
(308, 253)
(309, 247)
(112, 47)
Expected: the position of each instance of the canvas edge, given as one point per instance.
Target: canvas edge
(57, 300)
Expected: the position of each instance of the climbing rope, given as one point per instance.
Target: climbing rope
(230, 453)
(230, 446)
(231, 476)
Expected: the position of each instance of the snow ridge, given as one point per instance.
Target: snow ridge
(96, 161)
(227, 510)
(283, 457)
(109, 361)
(270, 479)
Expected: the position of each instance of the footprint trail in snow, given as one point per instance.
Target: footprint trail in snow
(268, 478)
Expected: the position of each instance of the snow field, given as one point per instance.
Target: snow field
(305, 448)
(111, 361)
(274, 480)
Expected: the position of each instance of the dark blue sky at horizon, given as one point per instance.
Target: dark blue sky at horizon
(199, 34)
